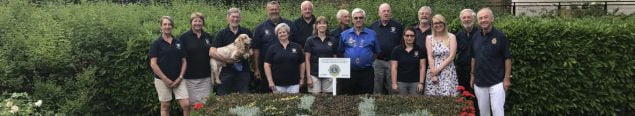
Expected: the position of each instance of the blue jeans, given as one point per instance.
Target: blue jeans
(232, 82)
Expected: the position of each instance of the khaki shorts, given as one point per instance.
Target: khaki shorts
(198, 89)
(165, 93)
(321, 85)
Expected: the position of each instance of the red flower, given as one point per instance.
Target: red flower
(471, 114)
(472, 109)
(459, 100)
(469, 102)
(198, 106)
(467, 94)
(464, 114)
(460, 88)
(464, 109)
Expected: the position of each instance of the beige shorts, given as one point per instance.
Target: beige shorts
(198, 89)
(321, 85)
(165, 93)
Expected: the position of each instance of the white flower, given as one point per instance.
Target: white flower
(9, 103)
(14, 109)
(38, 103)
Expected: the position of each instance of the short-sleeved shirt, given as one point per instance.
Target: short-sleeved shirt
(285, 63)
(337, 34)
(389, 36)
(420, 36)
(464, 41)
(359, 48)
(408, 63)
(168, 56)
(265, 36)
(197, 54)
(320, 49)
(225, 37)
(490, 50)
(303, 30)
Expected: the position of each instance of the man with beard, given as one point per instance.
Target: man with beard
(265, 36)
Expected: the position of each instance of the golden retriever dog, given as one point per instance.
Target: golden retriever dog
(237, 50)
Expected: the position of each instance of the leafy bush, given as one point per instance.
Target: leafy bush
(293, 104)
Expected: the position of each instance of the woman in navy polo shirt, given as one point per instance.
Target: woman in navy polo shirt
(284, 63)
(167, 59)
(320, 45)
(407, 65)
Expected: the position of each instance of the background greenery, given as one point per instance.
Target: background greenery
(91, 57)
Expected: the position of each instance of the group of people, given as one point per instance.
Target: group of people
(386, 58)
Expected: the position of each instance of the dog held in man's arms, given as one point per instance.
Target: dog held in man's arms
(239, 49)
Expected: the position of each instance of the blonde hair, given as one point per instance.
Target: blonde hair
(195, 15)
(318, 20)
(168, 18)
(358, 10)
(440, 18)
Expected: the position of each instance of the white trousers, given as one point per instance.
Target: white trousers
(491, 99)
(287, 89)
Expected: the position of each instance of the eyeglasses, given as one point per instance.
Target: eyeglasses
(358, 18)
(409, 36)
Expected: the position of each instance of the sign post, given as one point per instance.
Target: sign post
(334, 68)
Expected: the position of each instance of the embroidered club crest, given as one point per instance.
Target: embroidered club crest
(393, 29)
(416, 54)
(329, 43)
(493, 41)
(361, 44)
(178, 46)
(207, 41)
(293, 50)
(266, 32)
(351, 42)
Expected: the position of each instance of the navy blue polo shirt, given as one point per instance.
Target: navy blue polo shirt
(389, 36)
(225, 37)
(320, 49)
(197, 50)
(464, 41)
(420, 36)
(407, 62)
(337, 32)
(359, 48)
(168, 57)
(303, 30)
(490, 50)
(265, 36)
(285, 63)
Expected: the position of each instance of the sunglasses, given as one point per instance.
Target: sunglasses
(358, 18)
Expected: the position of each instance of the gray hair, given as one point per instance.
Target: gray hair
(306, 2)
(468, 10)
(340, 13)
(424, 8)
(488, 10)
(358, 10)
(281, 26)
(233, 10)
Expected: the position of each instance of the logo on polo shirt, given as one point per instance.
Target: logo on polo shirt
(330, 44)
(393, 29)
(351, 42)
(416, 54)
(361, 44)
(266, 32)
(493, 41)
(178, 46)
(207, 41)
(293, 50)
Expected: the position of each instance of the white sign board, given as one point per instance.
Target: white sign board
(334, 68)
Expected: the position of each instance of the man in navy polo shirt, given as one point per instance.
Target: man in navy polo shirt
(234, 76)
(389, 34)
(264, 36)
(423, 28)
(304, 29)
(343, 19)
(361, 46)
(491, 65)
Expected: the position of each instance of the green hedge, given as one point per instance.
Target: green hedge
(321, 105)
(90, 58)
